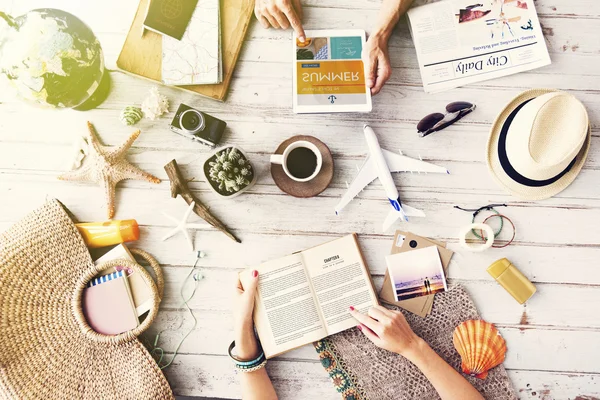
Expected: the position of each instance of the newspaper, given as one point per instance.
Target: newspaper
(465, 41)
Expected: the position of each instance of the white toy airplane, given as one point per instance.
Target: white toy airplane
(380, 164)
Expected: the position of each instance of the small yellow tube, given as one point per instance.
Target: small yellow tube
(102, 234)
(511, 279)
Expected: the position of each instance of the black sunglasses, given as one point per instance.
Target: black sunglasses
(438, 121)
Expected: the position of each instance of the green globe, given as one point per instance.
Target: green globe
(51, 58)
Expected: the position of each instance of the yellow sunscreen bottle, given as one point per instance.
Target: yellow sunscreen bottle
(512, 280)
(101, 234)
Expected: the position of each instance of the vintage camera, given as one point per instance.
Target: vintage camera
(197, 125)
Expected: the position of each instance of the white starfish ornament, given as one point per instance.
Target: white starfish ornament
(183, 226)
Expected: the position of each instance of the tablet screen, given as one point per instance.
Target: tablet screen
(329, 74)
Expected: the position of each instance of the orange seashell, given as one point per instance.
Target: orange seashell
(480, 345)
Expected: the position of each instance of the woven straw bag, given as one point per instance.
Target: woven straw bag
(47, 349)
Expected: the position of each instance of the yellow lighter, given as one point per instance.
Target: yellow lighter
(512, 280)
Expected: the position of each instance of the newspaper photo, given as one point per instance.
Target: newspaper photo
(465, 41)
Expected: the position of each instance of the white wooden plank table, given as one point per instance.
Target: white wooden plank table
(552, 340)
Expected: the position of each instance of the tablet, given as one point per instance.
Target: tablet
(329, 75)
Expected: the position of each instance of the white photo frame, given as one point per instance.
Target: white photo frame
(416, 273)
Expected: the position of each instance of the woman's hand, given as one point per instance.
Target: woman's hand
(256, 385)
(246, 345)
(389, 330)
(280, 14)
(377, 62)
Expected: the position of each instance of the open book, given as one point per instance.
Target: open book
(305, 297)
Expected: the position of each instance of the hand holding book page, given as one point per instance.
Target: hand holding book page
(305, 297)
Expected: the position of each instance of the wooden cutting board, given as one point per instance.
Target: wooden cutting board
(143, 55)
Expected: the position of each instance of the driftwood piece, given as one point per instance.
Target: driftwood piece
(179, 186)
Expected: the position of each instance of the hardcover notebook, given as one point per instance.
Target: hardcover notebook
(196, 58)
(108, 306)
(140, 291)
(169, 17)
(306, 296)
(142, 56)
(329, 74)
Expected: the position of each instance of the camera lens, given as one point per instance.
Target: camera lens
(192, 121)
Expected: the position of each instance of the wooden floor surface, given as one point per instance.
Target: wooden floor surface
(552, 340)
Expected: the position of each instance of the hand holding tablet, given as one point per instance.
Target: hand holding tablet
(329, 74)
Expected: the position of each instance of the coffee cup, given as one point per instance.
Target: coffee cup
(301, 161)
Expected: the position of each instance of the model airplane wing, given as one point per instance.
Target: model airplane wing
(366, 175)
(400, 163)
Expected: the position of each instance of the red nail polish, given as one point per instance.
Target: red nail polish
(351, 308)
(254, 273)
(359, 327)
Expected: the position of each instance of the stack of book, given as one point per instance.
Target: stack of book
(114, 301)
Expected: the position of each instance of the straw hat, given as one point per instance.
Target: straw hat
(539, 143)
(47, 349)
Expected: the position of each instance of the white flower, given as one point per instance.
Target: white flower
(80, 149)
(155, 104)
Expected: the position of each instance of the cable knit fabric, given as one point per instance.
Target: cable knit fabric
(361, 371)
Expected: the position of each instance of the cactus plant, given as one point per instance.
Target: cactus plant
(229, 171)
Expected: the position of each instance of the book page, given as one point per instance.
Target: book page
(285, 313)
(340, 279)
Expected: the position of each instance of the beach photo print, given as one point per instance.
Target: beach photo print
(416, 273)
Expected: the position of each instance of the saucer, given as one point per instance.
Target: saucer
(304, 189)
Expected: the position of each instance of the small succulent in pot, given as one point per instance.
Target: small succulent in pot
(229, 171)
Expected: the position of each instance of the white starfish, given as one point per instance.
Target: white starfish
(183, 226)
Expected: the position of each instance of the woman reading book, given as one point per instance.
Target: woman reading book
(282, 14)
(387, 329)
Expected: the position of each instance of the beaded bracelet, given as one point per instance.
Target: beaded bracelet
(247, 365)
(501, 216)
(256, 368)
(493, 215)
(489, 207)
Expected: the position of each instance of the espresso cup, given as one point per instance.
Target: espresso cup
(301, 161)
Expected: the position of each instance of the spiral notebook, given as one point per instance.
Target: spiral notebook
(140, 290)
(108, 305)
